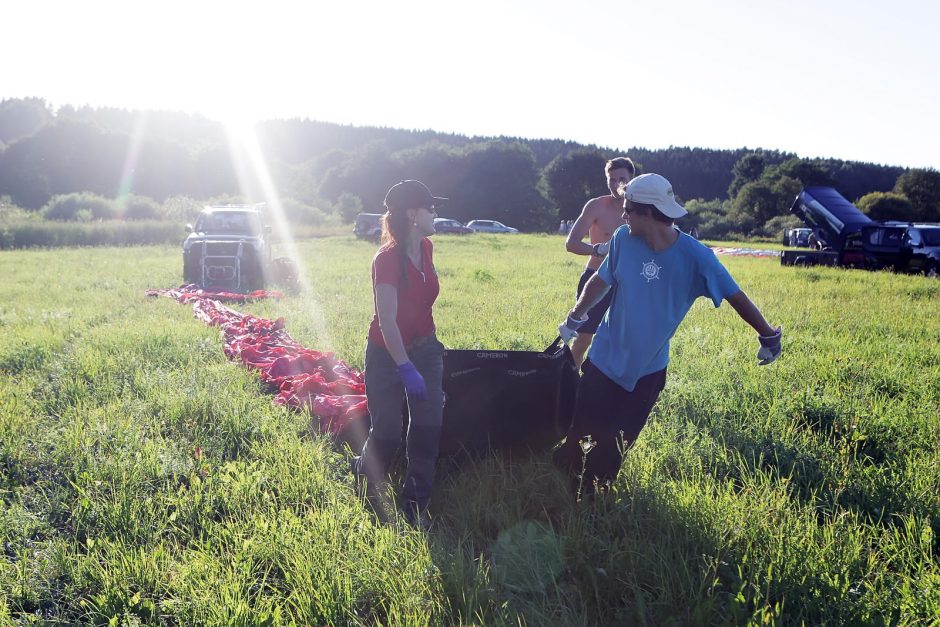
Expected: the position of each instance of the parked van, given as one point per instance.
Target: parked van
(368, 226)
(797, 238)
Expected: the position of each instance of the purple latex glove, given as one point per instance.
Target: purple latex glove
(414, 382)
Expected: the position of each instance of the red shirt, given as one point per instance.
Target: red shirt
(414, 299)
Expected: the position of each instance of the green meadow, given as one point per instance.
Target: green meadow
(145, 479)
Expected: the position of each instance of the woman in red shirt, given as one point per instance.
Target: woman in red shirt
(404, 359)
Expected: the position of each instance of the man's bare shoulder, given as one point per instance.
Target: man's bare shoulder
(601, 203)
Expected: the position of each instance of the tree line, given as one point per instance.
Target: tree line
(146, 160)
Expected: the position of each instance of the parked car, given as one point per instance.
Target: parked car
(446, 225)
(490, 226)
(368, 226)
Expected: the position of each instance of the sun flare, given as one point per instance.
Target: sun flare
(257, 185)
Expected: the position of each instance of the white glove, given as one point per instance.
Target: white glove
(601, 249)
(569, 328)
(769, 347)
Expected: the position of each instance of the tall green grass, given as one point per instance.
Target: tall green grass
(143, 478)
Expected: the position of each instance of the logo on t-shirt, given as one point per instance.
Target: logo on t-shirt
(650, 270)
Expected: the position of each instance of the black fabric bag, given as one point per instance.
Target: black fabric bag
(507, 399)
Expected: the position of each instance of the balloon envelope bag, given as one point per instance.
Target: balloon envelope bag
(507, 399)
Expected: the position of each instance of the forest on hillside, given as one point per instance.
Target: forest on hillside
(151, 160)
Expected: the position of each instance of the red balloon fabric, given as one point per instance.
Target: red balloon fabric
(302, 378)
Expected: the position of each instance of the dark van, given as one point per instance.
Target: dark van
(368, 226)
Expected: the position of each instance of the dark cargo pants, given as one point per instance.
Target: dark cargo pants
(386, 395)
(612, 418)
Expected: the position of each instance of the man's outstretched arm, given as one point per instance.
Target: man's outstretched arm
(768, 336)
(750, 313)
(593, 292)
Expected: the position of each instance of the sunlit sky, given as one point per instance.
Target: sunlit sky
(852, 80)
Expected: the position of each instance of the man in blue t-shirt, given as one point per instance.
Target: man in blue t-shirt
(654, 272)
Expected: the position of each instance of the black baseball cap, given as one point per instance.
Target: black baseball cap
(410, 194)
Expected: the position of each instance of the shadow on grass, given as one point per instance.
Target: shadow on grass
(628, 557)
(511, 544)
(653, 551)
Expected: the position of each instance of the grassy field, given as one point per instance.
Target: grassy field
(146, 479)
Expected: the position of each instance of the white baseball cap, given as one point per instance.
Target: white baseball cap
(653, 189)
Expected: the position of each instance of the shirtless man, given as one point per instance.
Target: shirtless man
(599, 219)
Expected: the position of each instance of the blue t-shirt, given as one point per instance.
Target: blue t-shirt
(652, 293)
